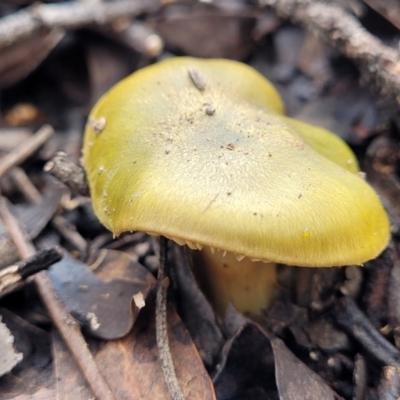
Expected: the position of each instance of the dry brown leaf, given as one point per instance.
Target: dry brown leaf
(70, 383)
(102, 303)
(132, 369)
(294, 379)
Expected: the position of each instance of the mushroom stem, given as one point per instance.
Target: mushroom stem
(249, 285)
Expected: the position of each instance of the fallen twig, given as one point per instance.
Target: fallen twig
(25, 149)
(68, 327)
(70, 331)
(68, 173)
(167, 364)
(25, 186)
(351, 318)
(378, 63)
(69, 232)
(22, 243)
(13, 276)
(28, 21)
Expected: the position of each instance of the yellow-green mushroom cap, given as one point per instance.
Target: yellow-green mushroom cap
(199, 151)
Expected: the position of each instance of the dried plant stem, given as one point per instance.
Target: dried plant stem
(25, 149)
(66, 171)
(70, 331)
(25, 186)
(353, 320)
(22, 243)
(167, 364)
(13, 276)
(378, 63)
(69, 232)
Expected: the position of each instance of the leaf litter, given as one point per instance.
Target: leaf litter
(330, 334)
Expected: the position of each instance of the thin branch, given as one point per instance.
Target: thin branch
(352, 319)
(70, 331)
(25, 186)
(25, 149)
(28, 21)
(379, 64)
(22, 243)
(13, 276)
(68, 173)
(18, 61)
(167, 364)
(69, 233)
(68, 327)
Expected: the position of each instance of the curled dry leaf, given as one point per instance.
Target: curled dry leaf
(102, 302)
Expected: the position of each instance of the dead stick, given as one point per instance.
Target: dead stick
(378, 63)
(25, 185)
(69, 232)
(23, 245)
(68, 327)
(70, 331)
(167, 364)
(25, 149)
(24, 23)
(66, 171)
(12, 277)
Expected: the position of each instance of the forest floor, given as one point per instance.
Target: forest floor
(81, 313)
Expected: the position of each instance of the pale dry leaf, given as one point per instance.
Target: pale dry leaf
(9, 357)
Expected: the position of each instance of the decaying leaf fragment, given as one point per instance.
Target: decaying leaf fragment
(139, 374)
(102, 302)
(9, 357)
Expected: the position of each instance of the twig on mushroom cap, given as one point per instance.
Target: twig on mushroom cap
(378, 63)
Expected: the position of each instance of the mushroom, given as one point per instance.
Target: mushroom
(199, 151)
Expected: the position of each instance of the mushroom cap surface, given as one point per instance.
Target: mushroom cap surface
(221, 166)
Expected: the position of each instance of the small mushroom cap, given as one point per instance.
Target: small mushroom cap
(216, 163)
